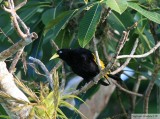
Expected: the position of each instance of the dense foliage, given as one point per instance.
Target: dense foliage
(74, 23)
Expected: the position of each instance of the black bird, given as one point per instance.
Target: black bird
(83, 63)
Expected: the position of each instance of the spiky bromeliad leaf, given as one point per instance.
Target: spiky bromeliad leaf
(88, 25)
(64, 103)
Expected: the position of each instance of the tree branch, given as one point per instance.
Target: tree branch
(7, 84)
(121, 44)
(128, 60)
(142, 55)
(20, 5)
(47, 74)
(103, 72)
(56, 67)
(15, 60)
(14, 48)
(149, 89)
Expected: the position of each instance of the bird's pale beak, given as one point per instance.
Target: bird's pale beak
(54, 56)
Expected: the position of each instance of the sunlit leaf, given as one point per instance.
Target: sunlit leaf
(117, 5)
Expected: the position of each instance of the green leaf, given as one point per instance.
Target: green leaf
(48, 15)
(60, 21)
(153, 16)
(4, 117)
(64, 103)
(61, 114)
(116, 22)
(88, 25)
(117, 5)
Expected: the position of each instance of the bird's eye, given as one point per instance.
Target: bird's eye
(60, 52)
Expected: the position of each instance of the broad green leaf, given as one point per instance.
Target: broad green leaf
(153, 16)
(116, 22)
(120, 22)
(117, 5)
(55, 26)
(88, 25)
(66, 38)
(48, 15)
(60, 21)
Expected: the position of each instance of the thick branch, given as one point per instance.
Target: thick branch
(8, 86)
(14, 48)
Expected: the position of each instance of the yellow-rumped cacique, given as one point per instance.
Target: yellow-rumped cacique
(83, 63)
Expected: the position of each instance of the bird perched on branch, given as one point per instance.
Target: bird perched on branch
(83, 63)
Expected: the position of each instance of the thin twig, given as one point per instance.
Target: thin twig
(124, 39)
(106, 14)
(63, 77)
(36, 69)
(54, 45)
(47, 74)
(104, 50)
(149, 89)
(121, 44)
(158, 99)
(26, 29)
(125, 90)
(15, 60)
(142, 55)
(20, 5)
(9, 39)
(128, 60)
(121, 104)
(96, 78)
(16, 18)
(56, 67)
(11, 3)
(153, 31)
(83, 89)
(15, 22)
(135, 89)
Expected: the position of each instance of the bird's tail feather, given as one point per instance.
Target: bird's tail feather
(115, 77)
(103, 83)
